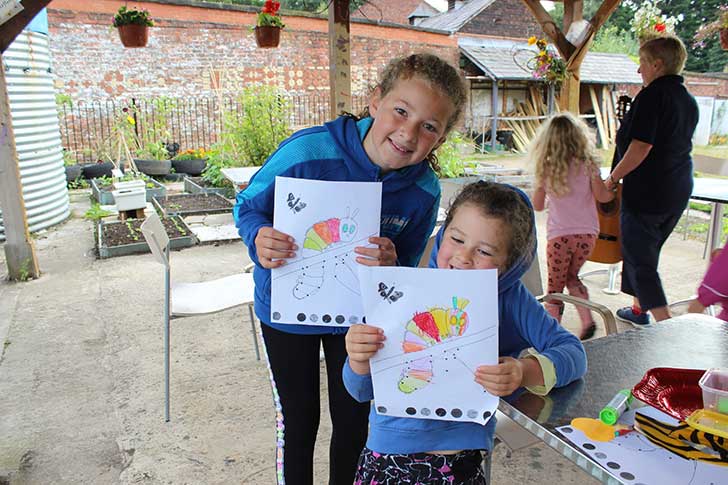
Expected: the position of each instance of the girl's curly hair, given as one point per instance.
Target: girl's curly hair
(501, 202)
(560, 141)
(436, 71)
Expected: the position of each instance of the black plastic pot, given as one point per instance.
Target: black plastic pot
(96, 170)
(73, 172)
(192, 167)
(153, 167)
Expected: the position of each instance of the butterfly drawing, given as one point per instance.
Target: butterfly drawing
(295, 203)
(388, 293)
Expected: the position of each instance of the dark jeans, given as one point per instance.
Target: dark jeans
(642, 238)
(295, 368)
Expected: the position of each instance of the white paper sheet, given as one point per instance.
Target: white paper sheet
(327, 220)
(156, 238)
(440, 326)
(632, 458)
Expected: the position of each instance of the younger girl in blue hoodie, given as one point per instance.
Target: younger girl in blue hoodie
(411, 111)
(488, 226)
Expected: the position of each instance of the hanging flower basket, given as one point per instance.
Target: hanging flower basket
(133, 26)
(133, 35)
(267, 36)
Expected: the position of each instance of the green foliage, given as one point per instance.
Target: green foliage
(449, 155)
(213, 170)
(96, 213)
(79, 183)
(132, 17)
(248, 140)
(615, 41)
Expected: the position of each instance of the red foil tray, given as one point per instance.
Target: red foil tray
(673, 391)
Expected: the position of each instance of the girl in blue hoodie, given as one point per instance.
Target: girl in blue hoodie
(488, 226)
(410, 113)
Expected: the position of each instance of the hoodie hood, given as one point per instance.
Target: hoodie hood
(513, 274)
(348, 135)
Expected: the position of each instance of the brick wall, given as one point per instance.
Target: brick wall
(387, 11)
(195, 47)
(507, 18)
(709, 84)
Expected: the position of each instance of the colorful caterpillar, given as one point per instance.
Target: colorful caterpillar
(425, 330)
(324, 236)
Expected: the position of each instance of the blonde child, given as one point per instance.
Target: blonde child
(489, 225)
(567, 177)
(410, 113)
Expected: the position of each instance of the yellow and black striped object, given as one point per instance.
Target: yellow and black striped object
(684, 441)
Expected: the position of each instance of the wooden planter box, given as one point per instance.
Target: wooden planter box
(139, 246)
(180, 204)
(105, 197)
(194, 188)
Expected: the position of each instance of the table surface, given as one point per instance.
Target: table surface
(239, 175)
(710, 189)
(617, 362)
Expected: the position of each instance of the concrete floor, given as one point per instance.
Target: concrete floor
(81, 373)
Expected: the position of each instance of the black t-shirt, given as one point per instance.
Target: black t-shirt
(664, 114)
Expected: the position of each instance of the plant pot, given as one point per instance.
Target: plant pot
(153, 167)
(267, 36)
(133, 35)
(73, 172)
(724, 39)
(96, 170)
(192, 167)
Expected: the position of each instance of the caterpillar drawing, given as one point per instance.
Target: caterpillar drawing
(425, 330)
(325, 236)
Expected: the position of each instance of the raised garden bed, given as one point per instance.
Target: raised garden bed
(198, 185)
(122, 238)
(101, 190)
(193, 204)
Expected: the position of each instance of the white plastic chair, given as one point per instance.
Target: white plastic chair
(188, 299)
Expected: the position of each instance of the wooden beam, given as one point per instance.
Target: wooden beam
(573, 12)
(10, 29)
(339, 57)
(603, 136)
(19, 248)
(550, 28)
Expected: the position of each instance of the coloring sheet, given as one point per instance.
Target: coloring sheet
(327, 220)
(632, 458)
(440, 325)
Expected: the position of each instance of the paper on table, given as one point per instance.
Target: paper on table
(440, 325)
(327, 220)
(632, 458)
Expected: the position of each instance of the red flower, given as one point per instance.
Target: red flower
(660, 27)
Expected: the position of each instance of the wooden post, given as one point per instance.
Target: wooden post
(339, 57)
(19, 248)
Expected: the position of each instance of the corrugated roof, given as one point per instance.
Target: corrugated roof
(453, 20)
(503, 59)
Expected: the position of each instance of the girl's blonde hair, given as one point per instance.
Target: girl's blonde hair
(560, 141)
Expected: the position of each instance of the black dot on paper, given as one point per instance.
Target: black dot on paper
(440, 412)
(425, 411)
(472, 413)
(381, 409)
(613, 465)
(627, 476)
(410, 411)
(301, 317)
(486, 415)
(313, 317)
(340, 319)
(326, 318)
(566, 429)
(353, 319)
(589, 446)
(363, 319)
(600, 455)
(276, 316)
(456, 413)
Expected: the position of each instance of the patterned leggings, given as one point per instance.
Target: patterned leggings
(463, 468)
(565, 256)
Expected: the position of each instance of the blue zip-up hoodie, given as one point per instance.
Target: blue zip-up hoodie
(523, 323)
(410, 197)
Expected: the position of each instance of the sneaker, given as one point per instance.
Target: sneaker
(627, 314)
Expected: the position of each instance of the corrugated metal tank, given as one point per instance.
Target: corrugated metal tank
(28, 74)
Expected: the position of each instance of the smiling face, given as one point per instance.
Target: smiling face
(409, 122)
(473, 241)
